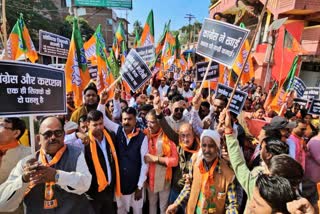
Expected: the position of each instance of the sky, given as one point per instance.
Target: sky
(163, 10)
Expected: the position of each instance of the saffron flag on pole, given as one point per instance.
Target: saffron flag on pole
(271, 95)
(20, 43)
(120, 33)
(286, 87)
(189, 61)
(147, 36)
(95, 49)
(248, 71)
(77, 74)
(168, 54)
(115, 48)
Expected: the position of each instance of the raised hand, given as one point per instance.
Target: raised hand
(196, 101)
(157, 104)
(104, 96)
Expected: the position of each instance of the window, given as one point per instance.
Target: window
(109, 21)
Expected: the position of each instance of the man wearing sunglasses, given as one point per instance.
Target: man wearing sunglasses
(55, 179)
(177, 118)
(212, 120)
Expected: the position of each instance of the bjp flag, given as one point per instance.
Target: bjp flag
(77, 74)
(248, 71)
(20, 43)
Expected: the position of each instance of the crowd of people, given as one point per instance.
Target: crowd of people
(168, 148)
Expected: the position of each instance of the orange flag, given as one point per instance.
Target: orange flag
(77, 74)
(248, 71)
(20, 43)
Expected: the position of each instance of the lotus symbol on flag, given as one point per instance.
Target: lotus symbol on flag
(76, 79)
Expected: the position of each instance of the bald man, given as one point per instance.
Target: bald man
(55, 179)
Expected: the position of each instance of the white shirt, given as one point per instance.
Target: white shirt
(102, 146)
(163, 90)
(187, 94)
(112, 126)
(71, 139)
(13, 189)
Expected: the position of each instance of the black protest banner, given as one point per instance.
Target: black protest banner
(51, 44)
(147, 53)
(301, 102)
(299, 86)
(311, 93)
(238, 99)
(314, 107)
(201, 70)
(135, 71)
(221, 41)
(31, 89)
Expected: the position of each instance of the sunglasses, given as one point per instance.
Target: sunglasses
(49, 134)
(178, 109)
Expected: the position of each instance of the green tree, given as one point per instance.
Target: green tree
(137, 26)
(37, 15)
(85, 29)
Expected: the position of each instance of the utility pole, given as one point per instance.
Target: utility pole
(189, 17)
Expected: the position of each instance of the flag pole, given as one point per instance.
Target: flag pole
(115, 82)
(250, 50)
(32, 135)
(205, 75)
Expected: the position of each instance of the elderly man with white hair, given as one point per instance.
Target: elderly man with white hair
(211, 188)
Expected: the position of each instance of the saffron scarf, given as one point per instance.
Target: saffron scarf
(49, 202)
(186, 149)
(166, 150)
(6, 147)
(101, 177)
(207, 178)
(133, 134)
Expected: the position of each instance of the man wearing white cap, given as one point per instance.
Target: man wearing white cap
(211, 188)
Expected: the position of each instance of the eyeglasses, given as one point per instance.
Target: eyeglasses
(56, 133)
(4, 127)
(178, 109)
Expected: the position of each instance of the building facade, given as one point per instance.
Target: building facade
(274, 50)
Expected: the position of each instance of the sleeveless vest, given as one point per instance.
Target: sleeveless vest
(129, 158)
(222, 181)
(108, 192)
(67, 202)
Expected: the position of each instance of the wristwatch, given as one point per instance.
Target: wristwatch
(56, 177)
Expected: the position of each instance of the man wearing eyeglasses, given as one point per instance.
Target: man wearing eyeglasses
(187, 92)
(11, 152)
(54, 180)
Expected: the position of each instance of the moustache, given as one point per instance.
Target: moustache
(53, 141)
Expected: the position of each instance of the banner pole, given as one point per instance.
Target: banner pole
(250, 50)
(115, 82)
(205, 75)
(32, 135)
